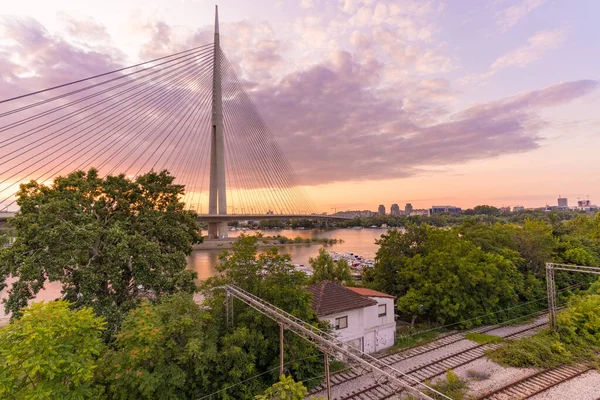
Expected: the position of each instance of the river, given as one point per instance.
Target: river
(357, 241)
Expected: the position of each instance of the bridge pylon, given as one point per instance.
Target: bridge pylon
(217, 198)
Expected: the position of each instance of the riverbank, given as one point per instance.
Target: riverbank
(268, 241)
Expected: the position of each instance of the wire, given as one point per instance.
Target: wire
(256, 376)
(496, 312)
(99, 75)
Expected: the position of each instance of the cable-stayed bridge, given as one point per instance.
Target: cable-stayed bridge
(187, 112)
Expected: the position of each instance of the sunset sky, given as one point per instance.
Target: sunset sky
(460, 102)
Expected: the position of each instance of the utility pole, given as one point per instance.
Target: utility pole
(217, 191)
(327, 376)
(280, 349)
(550, 285)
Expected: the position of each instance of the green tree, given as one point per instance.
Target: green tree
(452, 280)
(326, 269)
(285, 389)
(251, 345)
(536, 244)
(395, 248)
(486, 210)
(163, 351)
(51, 352)
(107, 240)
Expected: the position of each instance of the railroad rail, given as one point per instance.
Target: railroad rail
(410, 352)
(536, 383)
(431, 369)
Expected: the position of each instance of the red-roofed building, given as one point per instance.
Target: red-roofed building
(362, 317)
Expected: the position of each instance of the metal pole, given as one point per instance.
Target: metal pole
(327, 376)
(280, 350)
(551, 289)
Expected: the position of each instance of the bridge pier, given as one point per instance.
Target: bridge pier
(217, 230)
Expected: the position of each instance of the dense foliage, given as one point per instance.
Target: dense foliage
(326, 269)
(166, 350)
(108, 241)
(577, 338)
(252, 343)
(445, 278)
(457, 273)
(51, 352)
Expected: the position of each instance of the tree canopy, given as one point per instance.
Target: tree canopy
(109, 241)
(51, 352)
(325, 268)
(166, 350)
(452, 280)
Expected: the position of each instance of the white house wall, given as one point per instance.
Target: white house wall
(377, 333)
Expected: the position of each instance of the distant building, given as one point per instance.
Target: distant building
(563, 202)
(381, 209)
(361, 317)
(505, 209)
(443, 209)
(518, 208)
(395, 210)
(584, 203)
(408, 208)
(419, 212)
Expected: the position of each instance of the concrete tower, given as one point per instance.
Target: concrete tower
(217, 201)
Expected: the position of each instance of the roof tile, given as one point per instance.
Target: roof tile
(331, 297)
(370, 292)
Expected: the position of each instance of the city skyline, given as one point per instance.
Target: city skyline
(399, 101)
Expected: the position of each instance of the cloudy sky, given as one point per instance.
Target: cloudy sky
(459, 102)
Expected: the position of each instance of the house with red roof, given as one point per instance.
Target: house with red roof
(362, 317)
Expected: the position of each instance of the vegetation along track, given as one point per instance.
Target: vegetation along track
(536, 383)
(424, 371)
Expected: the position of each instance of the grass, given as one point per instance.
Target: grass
(543, 350)
(477, 375)
(335, 366)
(403, 341)
(452, 386)
(482, 338)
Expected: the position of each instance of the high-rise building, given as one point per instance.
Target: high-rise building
(563, 202)
(381, 209)
(395, 210)
(408, 208)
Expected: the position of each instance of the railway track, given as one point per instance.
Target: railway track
(427, 370)
(410, 352)
(536, 383)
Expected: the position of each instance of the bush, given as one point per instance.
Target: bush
(577, 339)
(452, 386)
(539, 351)
(51, 352)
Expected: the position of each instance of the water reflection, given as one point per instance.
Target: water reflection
(204, 262)
(357, 241)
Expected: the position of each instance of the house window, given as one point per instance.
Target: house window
(382, 310)
(341, 323)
